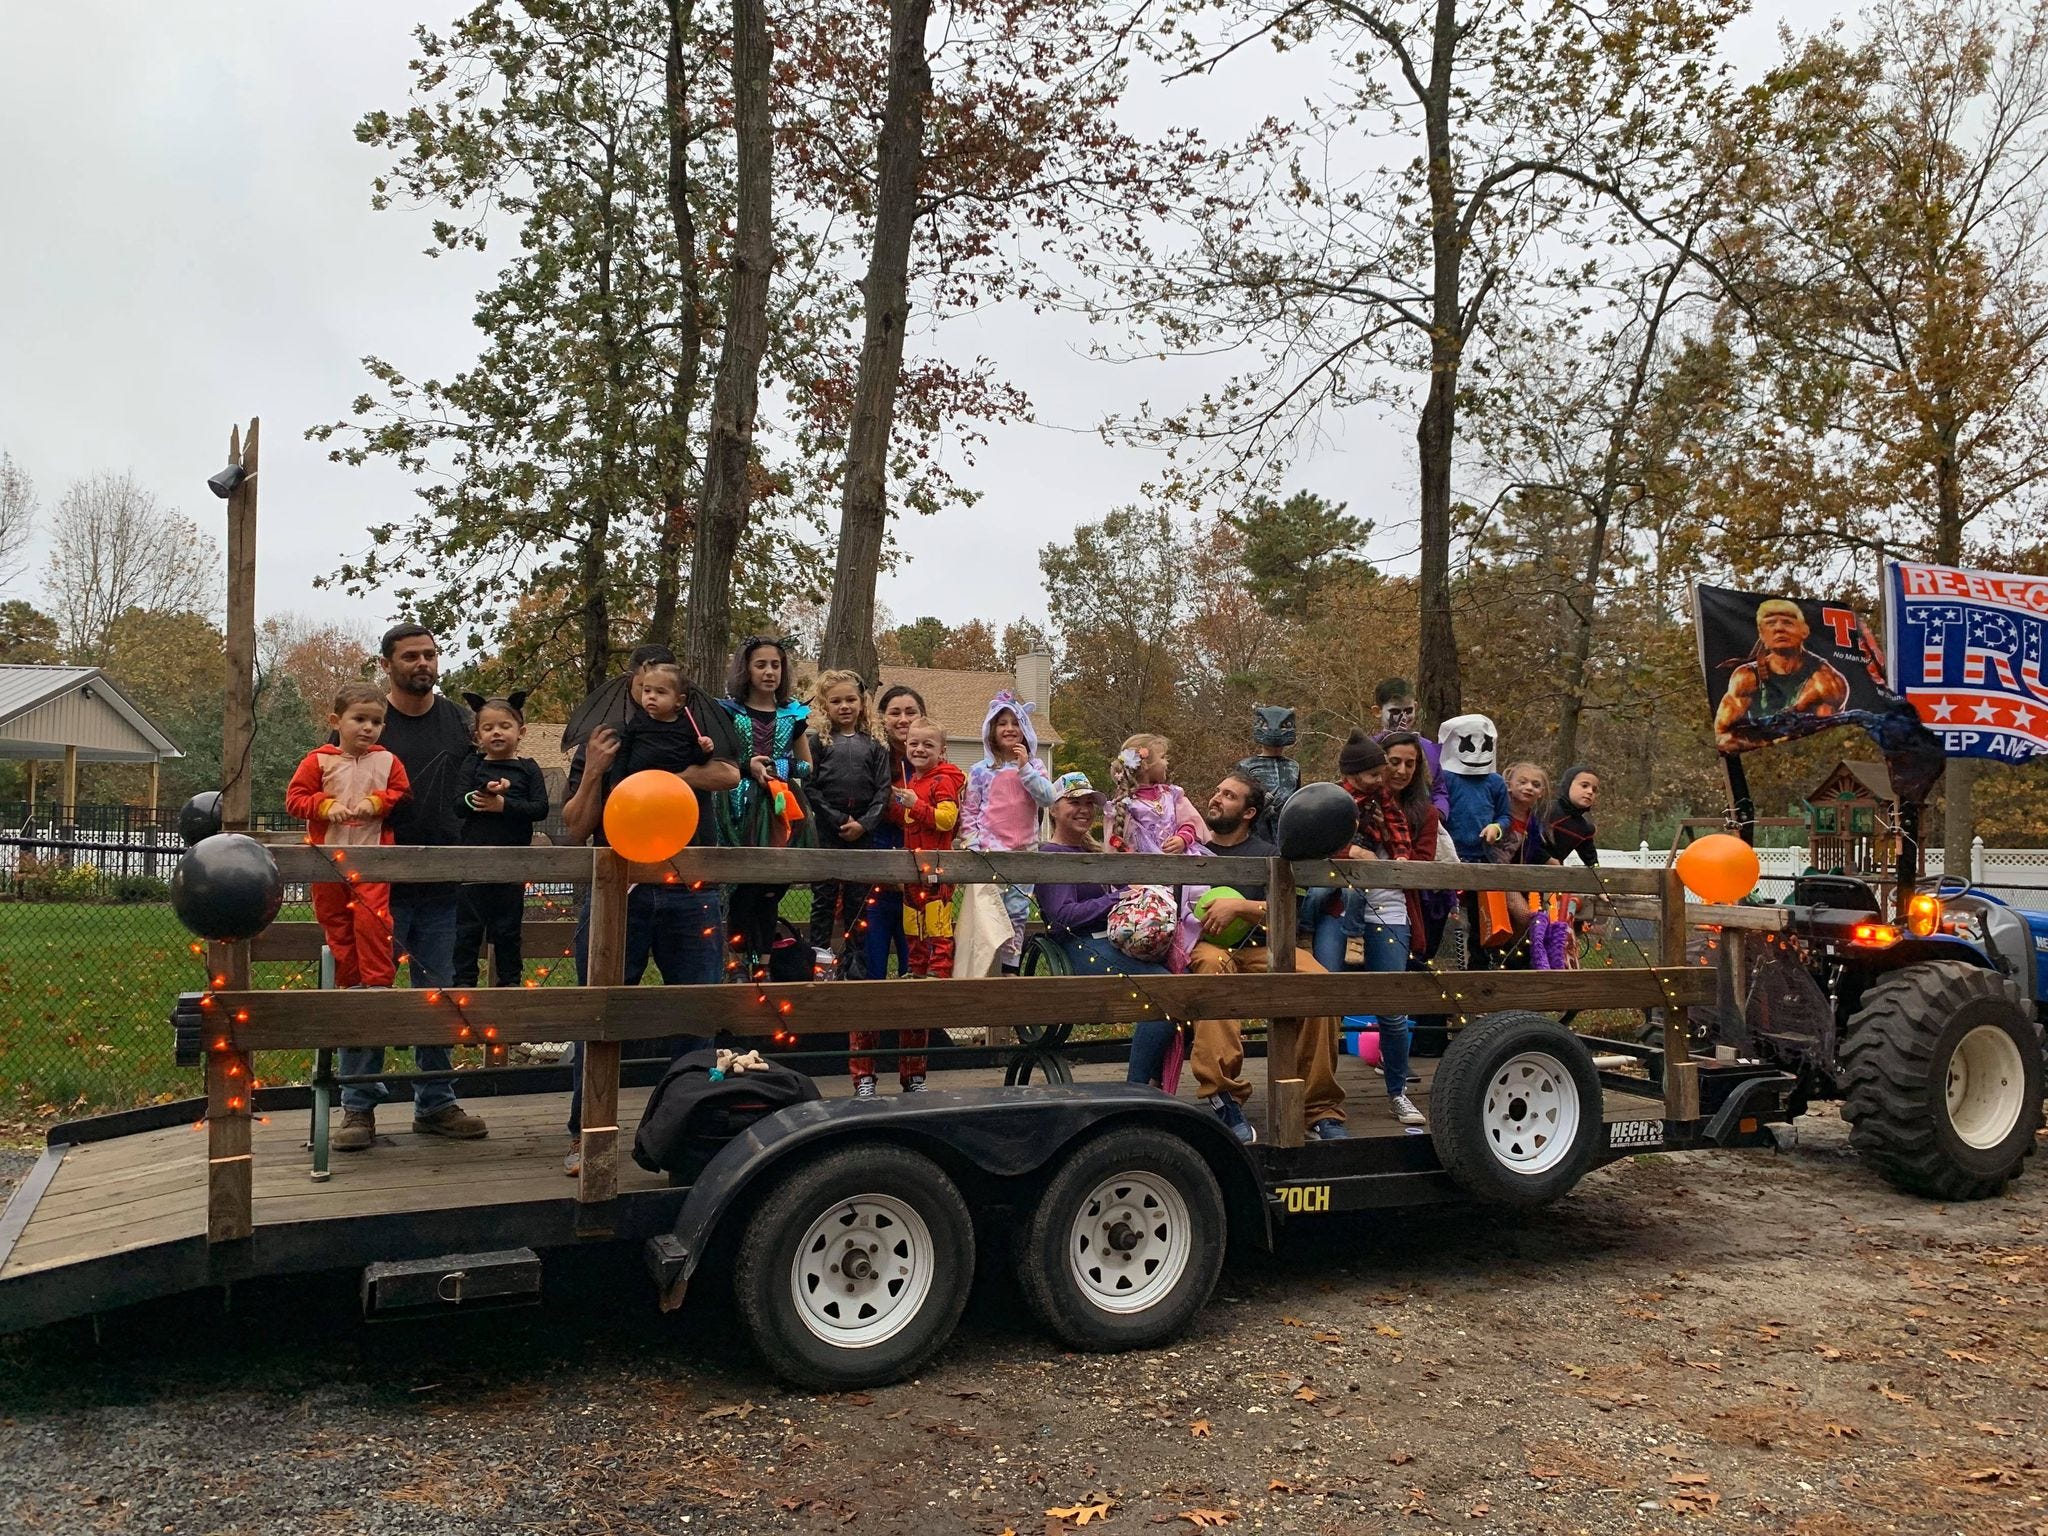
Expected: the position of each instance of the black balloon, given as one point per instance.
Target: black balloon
(227, 887)
(1318, 821)
(199, 818)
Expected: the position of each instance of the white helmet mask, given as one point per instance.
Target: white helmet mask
(1468, 745)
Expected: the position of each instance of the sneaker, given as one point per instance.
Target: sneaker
(1328, 1129)
(863, 1087)
(1405, 1111)
(913, 1085)
(450, 1120)
(1233, 1117)
(572, 1164)
(358, 1130)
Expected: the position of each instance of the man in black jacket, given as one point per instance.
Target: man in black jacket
(430, 735)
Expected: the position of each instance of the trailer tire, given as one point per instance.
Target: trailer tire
(1941, 1073)
(819, 1321)
(1125, 1243)
(1515, 1110)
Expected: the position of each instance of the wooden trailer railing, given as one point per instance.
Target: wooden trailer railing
(604, 1013)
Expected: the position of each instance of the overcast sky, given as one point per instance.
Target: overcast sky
(190, 242)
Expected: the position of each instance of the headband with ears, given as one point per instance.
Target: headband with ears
(516, 698)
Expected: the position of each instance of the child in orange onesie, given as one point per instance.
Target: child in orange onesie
(927, 806)
(343, 793)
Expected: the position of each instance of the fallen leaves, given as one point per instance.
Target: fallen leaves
(1399, 1459)
(1199, 1429)
(1835, 1431)
(1964, 1356)
(1386, 1330)
(1306, 1394)
(1992, 1477)
(1829, 1353)
(1693, 1497)
(1081, 1514)
(728, 1411)
(1207, 1519)
(1578, 1371)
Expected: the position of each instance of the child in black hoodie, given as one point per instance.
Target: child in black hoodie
(849, 791)
(499, 797)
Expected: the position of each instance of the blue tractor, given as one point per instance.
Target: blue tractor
(1927, 1029)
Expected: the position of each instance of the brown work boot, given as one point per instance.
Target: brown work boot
(358, 1130)
(450, 1120)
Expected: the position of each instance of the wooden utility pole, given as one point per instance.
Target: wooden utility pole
(238, 724)
(230, 1085)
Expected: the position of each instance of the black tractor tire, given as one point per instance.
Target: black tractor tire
(1515, 1110)
(1125, 1243)
(1941, 1079)
(913, 1233)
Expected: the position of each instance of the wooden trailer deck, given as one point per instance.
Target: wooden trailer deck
(137, 1192)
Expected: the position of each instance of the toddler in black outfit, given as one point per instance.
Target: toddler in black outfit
(499, 797)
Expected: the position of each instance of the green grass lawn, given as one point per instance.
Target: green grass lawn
(86, 991)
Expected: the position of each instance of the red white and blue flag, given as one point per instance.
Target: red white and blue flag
(1966, 649)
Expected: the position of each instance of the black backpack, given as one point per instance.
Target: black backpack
(690, 1115)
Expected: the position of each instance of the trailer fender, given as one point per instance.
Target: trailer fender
(1761, 1099)
(1002, 1134)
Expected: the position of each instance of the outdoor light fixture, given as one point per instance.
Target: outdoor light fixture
(223, 484)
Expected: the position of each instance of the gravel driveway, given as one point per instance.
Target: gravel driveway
(1690, 1343)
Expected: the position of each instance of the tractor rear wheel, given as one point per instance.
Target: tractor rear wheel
(1941, 1073)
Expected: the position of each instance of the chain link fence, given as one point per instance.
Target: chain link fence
(92, 959)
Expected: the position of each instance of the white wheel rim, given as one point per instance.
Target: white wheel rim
(1531, 1114)
(1130, 1242)
(862, 1271)
(1987, 1082)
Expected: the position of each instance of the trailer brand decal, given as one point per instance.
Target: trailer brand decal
(1304, 1199)
(1635, 1133)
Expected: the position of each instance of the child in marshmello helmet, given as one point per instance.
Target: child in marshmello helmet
(1468, 746)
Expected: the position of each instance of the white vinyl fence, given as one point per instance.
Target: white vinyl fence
(2015, 875)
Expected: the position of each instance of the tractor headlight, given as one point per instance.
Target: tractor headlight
(1923, 914)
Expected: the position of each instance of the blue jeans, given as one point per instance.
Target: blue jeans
(665, 923)
(1386, 952)
(884, 933)
(423, 934)
(1093, 955)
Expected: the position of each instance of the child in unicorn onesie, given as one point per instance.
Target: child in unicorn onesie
(1000, 806)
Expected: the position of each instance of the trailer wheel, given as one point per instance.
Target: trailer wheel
(1941, 1077)
(1515, 1109)
(852, 1270)
(1126, 1242)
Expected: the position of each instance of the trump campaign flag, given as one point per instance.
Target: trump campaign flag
(1778, 667)
(1965, 648)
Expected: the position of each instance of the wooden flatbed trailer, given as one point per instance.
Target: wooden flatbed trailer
(849, 1221)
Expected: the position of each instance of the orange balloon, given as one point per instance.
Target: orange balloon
(1719, 868)
(650, 816)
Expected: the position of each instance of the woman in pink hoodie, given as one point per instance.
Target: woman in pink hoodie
(1000, 807)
